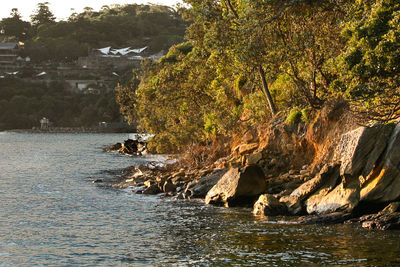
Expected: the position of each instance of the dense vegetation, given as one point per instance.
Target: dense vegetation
(23, 104)
(244, 61)
(134, 25)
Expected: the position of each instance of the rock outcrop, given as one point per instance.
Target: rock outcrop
(238, 187)
(383, 184)
(343, 198)
(325, 179)
(365, 167)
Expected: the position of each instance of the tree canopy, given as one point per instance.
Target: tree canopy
(246, 60)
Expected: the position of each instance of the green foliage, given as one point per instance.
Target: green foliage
(301, 52)
(210, 124)
(369, 65)
(256, 109)
(305, 115)
(294, 117)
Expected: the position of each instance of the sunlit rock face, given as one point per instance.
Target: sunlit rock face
(383, 183)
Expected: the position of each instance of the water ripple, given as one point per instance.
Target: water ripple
(51, 214)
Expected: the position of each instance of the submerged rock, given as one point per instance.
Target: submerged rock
(269, 205)
(113, 148)
(238, 187)
(330, 218)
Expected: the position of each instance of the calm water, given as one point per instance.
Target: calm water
(52, 215)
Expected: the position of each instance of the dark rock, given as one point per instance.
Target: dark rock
(387, 219)
(268, 205)
(383, 222)
(152, 190)
(238, 187)
(132, 147)
(179, 196)
(168, 186)
(98, 181)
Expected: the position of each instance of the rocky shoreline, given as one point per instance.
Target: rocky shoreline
(331, 171)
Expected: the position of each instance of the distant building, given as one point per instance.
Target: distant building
(123, 57)
(9, 54)
(44, 123)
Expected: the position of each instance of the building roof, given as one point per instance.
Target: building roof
(8, 45)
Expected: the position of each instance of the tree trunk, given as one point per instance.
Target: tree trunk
(266, 90)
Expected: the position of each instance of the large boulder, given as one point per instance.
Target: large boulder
(358, 150)
(268, 205)
(238, 187)
(200, 188)
(383, 184)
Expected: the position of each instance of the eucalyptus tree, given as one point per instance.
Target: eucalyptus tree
(272, 37)
(42, 15)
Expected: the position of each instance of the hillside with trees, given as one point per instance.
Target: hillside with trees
(245, 61)
(49, 43)
(155, 26)
(23, 104)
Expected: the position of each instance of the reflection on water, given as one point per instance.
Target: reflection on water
(52, 214)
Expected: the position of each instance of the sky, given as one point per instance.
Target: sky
(62, 8)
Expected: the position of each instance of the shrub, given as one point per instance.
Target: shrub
(294, 117)
(305, 114)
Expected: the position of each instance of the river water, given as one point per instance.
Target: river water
(51, 214)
